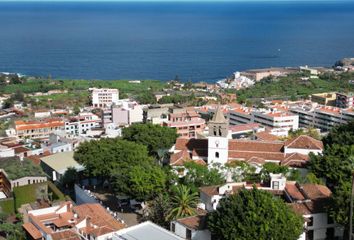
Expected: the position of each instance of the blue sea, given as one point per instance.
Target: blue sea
(197, 41)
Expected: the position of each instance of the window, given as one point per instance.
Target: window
(276, 185)
(330, 233)
(220, 132)
(173, 227)
(310, 222)
(309, 235)
(216, 154)
(330, 220)
(188, 234)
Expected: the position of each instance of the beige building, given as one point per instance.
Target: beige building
(328, 99)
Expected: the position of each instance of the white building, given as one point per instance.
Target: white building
(84, 122)
(104, 97)
(321, 117)
(145, 231)
(273, 118)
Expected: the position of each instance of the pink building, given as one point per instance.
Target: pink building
(188, 123)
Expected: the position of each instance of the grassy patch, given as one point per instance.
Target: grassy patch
(7, 206)
(124, 86)
(30, 193)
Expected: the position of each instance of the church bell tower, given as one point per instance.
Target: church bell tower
(218, 142)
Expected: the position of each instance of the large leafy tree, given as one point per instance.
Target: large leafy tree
(102, 157)
(335, 165)
(200, 175)
(142, 181)
(254, 214)
(183, 202)
(127, 164)
(153, 136)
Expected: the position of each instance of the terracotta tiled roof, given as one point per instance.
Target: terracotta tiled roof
(256, 160)
(195, 222)
(244, 127)
(191, 144)
(246, 155)
(295, 160)
(65, 235)
(178, 159)
(36, 159)
(316, 191)
(99, 216)
(32, 230)
(266, 136)
(48, 123)
(311, 207)
(210, 190)
(304, 142)
(19, 150)
(293, 191)
(255, 146)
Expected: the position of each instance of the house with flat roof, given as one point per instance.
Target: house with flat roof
(16, 172)
(145, 231)
(56, 165)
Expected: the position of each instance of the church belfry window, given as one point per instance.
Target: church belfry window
(216, 154)
(220, 131)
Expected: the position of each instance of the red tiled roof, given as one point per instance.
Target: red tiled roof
(98, 216)
(295, 160)
(210, 190)
(316, 191)
(244, 127)
(194, 222)
(191, 144)
(65, 235)
(178, 159)
(293, 191)
(20, 150)
(32, 230)
(266, 136)
(49, 123)
(304, 142)
(255, 146)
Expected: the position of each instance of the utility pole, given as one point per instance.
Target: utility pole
(351, 210)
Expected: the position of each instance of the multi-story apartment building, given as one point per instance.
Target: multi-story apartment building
(104, 97)
(82, 123)
(38, 129)
(345, 100)
(268, 118)
(321, 117)
(127, 113)
(187, 122)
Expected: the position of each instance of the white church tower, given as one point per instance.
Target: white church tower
(218, 142)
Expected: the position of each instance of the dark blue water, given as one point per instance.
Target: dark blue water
(197, 41)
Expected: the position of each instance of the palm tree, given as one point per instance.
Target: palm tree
(183, 202)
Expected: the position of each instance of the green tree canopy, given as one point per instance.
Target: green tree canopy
(335, 165)
(200, 175)
(154, 137)
(254, 214)
(102, 157)
(142, 181)
(133, 172)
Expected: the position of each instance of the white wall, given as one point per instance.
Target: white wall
(301, 151)
(7, 152)
(218, 145)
